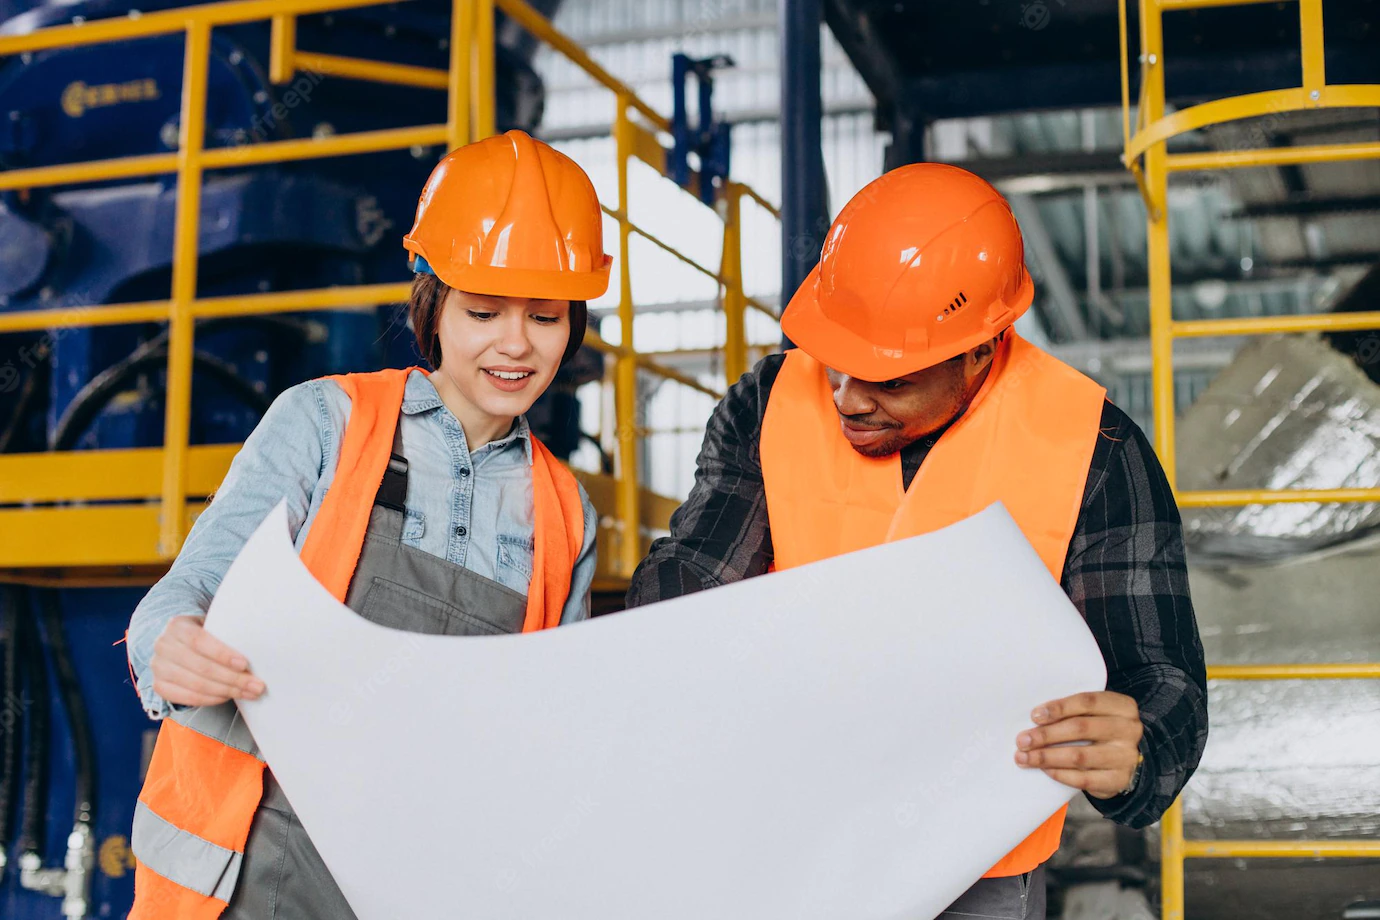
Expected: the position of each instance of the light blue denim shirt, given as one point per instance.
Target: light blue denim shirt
(473, 508)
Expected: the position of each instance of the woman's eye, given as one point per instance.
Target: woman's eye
(547, 320)
(482, 317)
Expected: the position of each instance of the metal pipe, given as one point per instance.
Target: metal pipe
(485, 100)
(1311, 50)
(458, 130)
(1234, 497)
(80, 856)
(1275, 156)
(804, 214)
(11, 715)
(625, 381)
(1275, 849)
(1294, 672)
(334, 65)
(282, 49)
(178, 414)
(167, 22)
(530, 19)
(731, 267)
(1261, 325)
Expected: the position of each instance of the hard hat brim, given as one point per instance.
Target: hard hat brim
(499, 281)
(840, 348)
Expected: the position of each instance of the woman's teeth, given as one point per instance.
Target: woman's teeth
(509, 375)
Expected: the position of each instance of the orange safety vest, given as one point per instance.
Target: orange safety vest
(205, 779)
(1026, 440)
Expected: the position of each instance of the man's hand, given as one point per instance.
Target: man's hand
(191, 667)
(1108, 725)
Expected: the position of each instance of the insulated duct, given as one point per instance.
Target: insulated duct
(1289, 412)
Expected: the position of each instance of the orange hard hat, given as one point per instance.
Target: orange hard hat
(923, 264)
(511, 217)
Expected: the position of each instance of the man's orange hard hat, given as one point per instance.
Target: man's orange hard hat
(923, 264)
(511, 217)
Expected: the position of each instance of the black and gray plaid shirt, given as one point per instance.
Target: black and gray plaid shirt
(1125, 572)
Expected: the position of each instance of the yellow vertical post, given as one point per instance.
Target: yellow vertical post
(625, 381)
(731, 272)
(485, 100)
(458, 88)
(282, 46)
(1157, 184)
(1161, 371)
(1172, 862)
(178, 412)
(1311, 41)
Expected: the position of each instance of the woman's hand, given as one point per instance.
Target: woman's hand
(191, 667)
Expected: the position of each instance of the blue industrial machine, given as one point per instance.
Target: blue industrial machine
(709, 137)
(74, 742)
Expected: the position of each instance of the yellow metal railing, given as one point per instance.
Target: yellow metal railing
(56, 530)
(1147, 156)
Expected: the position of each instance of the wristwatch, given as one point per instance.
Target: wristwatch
(1135, 775)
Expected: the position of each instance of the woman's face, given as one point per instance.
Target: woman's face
(500, 353)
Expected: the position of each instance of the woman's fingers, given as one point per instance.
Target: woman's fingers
(199, 669)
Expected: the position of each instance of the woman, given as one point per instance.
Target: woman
(421, 501)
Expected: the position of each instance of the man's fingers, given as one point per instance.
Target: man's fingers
(1096, 703)
(1082, 757)
(1102, 783)
(1081, 728)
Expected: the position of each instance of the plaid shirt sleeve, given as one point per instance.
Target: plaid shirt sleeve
(1125, 572)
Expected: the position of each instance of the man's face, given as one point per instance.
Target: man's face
(879, 419)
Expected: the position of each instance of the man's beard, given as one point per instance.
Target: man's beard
(891, 445)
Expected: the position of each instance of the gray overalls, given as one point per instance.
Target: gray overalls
(400, 587)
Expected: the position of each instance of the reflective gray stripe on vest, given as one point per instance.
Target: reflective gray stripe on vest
(221, 723)
(183, 857)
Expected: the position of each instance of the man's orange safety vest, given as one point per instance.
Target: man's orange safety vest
(206, 777)
(1026, 440)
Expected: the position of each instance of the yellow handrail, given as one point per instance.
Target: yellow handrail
(471, 113)
(1145, 155)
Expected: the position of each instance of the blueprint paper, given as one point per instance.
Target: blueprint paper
(833, 742)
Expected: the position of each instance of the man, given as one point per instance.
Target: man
(910, 403)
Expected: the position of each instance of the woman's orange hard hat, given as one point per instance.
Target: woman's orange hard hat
(511, 217)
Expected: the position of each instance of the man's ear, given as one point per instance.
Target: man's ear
(982, 355)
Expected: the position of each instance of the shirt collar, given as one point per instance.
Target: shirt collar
(419, 395)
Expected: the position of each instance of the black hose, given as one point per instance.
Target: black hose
(69, 690)
(92, 399)
(11, 711)
(22, 404)
(33, 820)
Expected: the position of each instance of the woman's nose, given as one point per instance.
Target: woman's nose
(514, 341)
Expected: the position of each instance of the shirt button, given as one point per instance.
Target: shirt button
(461, 530)
(464, 471)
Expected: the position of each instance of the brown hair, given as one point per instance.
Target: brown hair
(429, 296)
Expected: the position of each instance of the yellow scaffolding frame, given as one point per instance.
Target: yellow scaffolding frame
(1147, 156)
(55, 535)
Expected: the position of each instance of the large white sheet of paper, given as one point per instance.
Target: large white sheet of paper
(833, 742)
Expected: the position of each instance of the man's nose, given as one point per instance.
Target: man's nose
(853, 397)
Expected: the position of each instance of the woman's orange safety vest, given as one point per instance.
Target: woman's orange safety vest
(206, 777)
(1026, 440)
